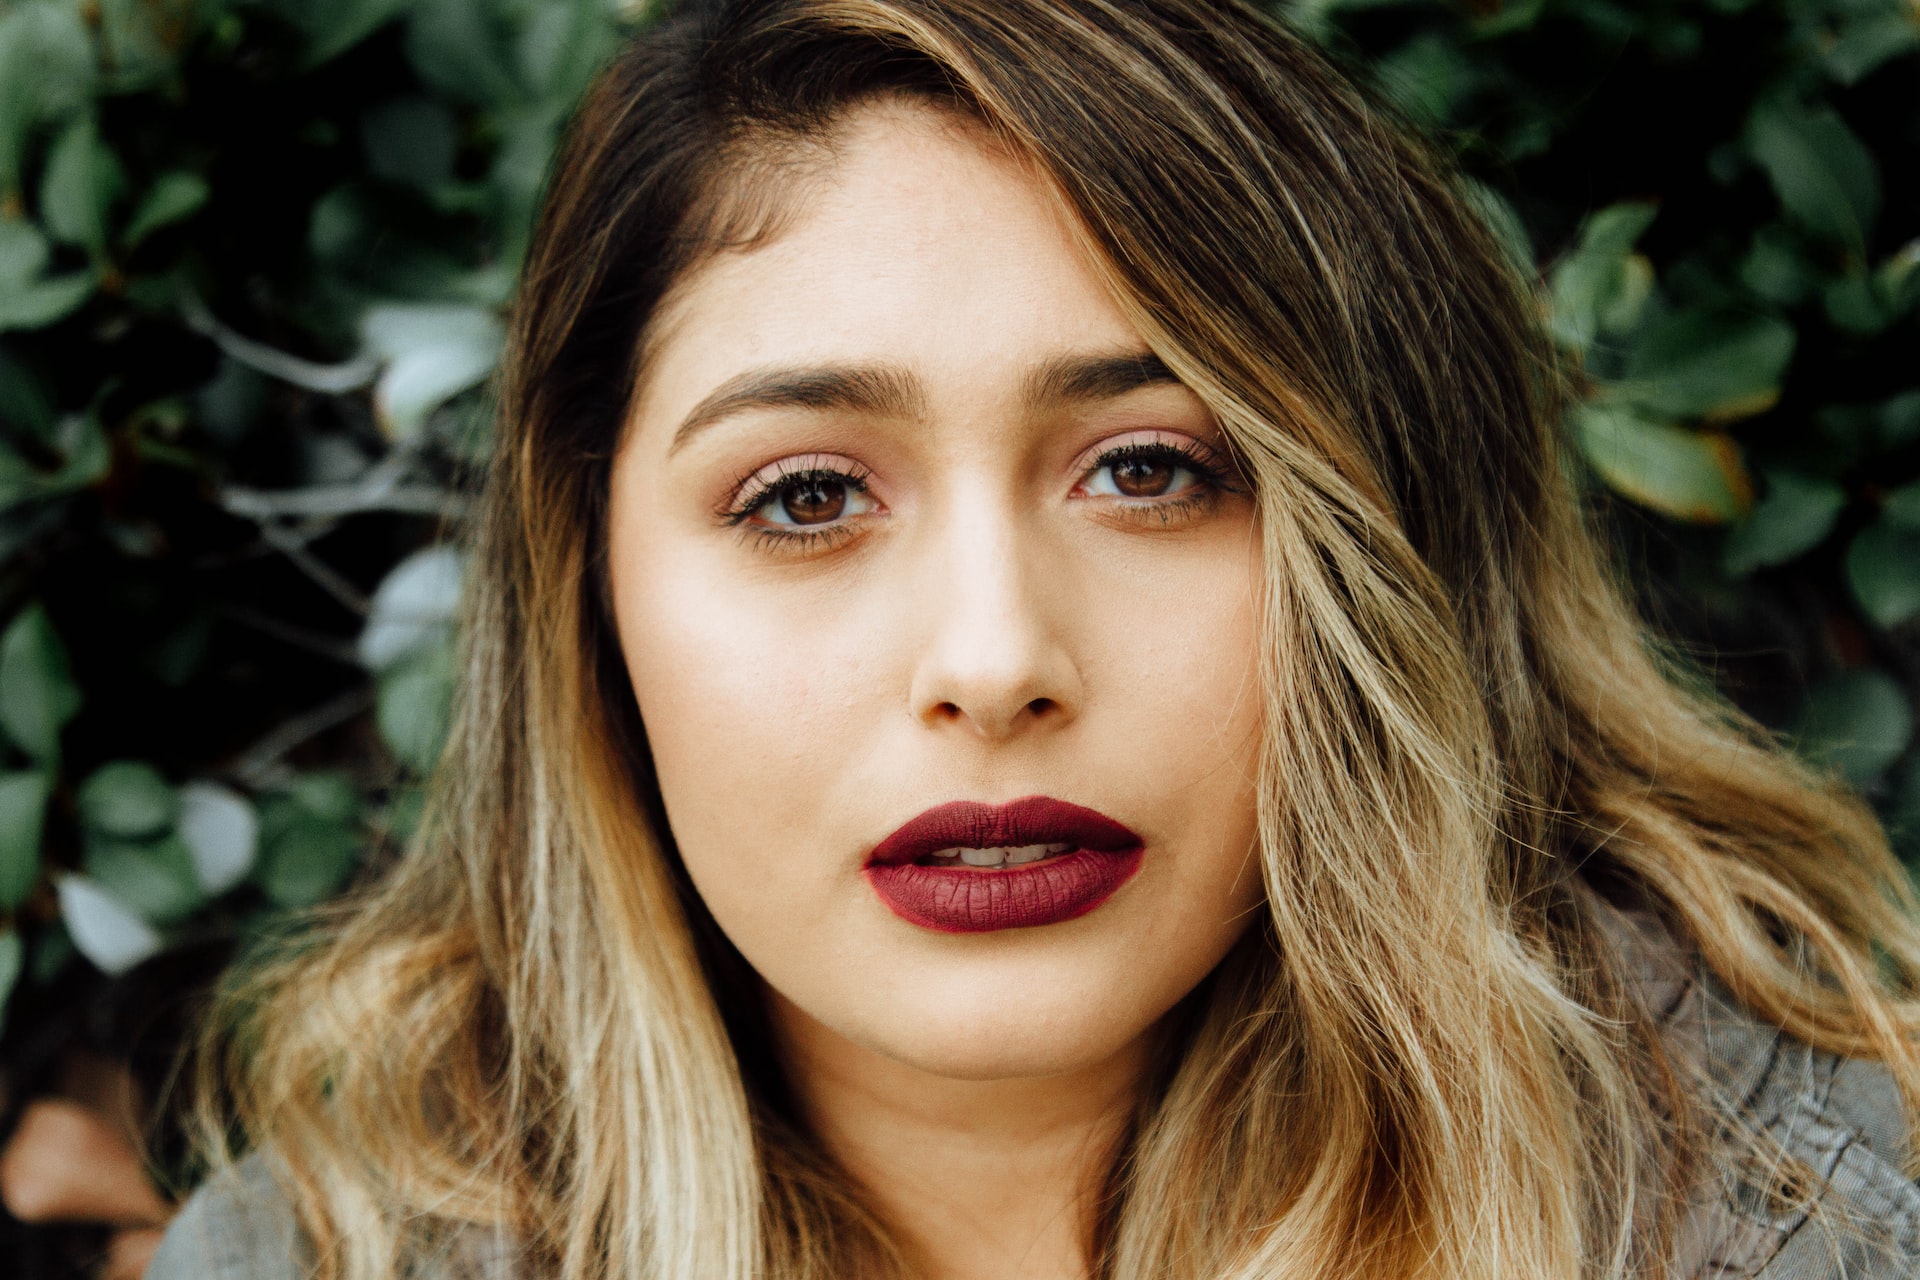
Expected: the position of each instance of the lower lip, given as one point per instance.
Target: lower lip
(963, 900)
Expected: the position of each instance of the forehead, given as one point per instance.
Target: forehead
(914, 241)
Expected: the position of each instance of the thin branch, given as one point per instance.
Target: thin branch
(332, 501)
(333, 379)
(329, 647)
(256, 765)
(294, 547)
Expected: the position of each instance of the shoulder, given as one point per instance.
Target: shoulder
(241, 1225)
(1808, 1182)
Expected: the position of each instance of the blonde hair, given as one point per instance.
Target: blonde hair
(1425, 1060)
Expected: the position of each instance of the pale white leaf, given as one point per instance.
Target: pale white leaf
(104, 929)
(221, 831)
(412, 607)
(432, 352)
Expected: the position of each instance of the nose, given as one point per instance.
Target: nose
(993, 657)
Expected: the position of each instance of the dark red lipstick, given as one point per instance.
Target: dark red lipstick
(1056, 861)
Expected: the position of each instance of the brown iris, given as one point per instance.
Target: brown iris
(814, 500)
(1142, 477)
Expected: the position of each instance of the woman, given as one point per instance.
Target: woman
(1039, 705)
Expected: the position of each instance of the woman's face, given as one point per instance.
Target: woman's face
(907, 516)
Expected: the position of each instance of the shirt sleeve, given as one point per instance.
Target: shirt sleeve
(239, 1226)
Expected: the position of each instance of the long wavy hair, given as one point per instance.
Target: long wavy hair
(1425, 1059)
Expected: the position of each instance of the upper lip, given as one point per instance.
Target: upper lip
(968, 824)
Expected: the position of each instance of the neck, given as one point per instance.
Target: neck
(976, 1178)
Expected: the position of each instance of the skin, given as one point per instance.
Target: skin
(993, 617)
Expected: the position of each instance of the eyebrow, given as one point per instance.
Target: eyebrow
(881, 390)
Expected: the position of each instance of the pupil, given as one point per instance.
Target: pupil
(1143, 477)
(815, 501)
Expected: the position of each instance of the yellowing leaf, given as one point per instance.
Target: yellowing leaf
(1696, 476)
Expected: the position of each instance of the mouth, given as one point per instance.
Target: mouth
(990, 859)
(968, 867)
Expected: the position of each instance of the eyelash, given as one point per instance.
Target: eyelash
(756, 493)
(1212, 472)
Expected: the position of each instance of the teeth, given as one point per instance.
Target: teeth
(1014, 856)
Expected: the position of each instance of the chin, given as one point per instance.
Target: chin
(994, 1030)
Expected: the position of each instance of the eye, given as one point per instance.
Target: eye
(1146, 471)
(1142, 471)
(802, 499)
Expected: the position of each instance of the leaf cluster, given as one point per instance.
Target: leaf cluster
(254, 262)
(1723, 200)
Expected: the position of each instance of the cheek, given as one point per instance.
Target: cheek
(751, 715)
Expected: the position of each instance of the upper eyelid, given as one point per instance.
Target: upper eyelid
(1215, 463)
(751, 490)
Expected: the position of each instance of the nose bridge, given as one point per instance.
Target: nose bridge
(993, 652)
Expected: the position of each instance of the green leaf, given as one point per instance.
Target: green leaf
(1857, 723)
(1897, 280)
(412, 712)
(1716, 365)
(560, 48)
(29, 299)
(23, 812)
(1689, 475)
(1869, 41)
(1853, 303)
(310, 839)
(1777, 268)
(37, 693)
(1509, 232)
(1429, 77)
(1595, 287)
(142, 41)
(335, 26)
(127, 798)
(1899, 419)
(308, 860)
(459, 49)
(85, 454)
(37, 305)
(83, 178)
(172, 198)
(1797, 513)
(1823, 174)
(411, 141)
(153, 877)
(1891, 424)
(1883, 568)
(12, 958)
(19, 482)
(46, 74)
(25, 401)
(518, 176)
(1902, 507)
(329, 796)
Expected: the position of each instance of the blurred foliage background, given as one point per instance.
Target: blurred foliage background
(255, 257)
